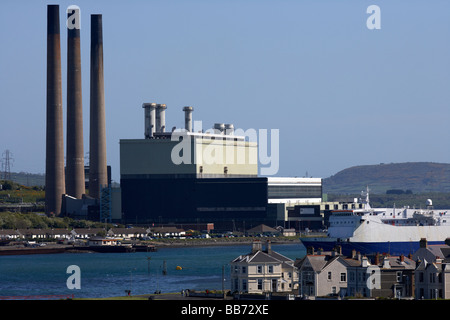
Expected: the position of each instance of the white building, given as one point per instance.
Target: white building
(294, 191)
(263, 271)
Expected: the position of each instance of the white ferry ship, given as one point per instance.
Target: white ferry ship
(383, 230)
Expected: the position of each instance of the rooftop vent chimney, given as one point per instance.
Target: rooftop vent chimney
(229, 129)
(161, 117)
(256, 246)
(269, 247)
(423, 243)
(219, 128)
(188, 118)
(149, 110)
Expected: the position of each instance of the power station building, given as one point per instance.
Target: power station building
(184, 176)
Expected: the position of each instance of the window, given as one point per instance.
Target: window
(260, 284)
(329, 275)
(352, 276)
(270, 269)
(259, 269)
(244, 269)
(420, 276)
(360, 276)
(236, 269)
(399, 276)
(294, 191)
(343, 277)
(244, 285)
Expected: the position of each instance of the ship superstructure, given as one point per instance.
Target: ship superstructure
(383, 230)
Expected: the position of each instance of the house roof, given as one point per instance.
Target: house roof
(264, 256)
(128, 230)
(262, 228)
(166, 229)
(423, 265)
(396, 263)
(89, 231)
(8, 232)
(432, 252)
(350, 262)
(318, 262)
(260, 257)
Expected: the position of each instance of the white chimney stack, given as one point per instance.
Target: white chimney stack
(149, 109)
(188, 118)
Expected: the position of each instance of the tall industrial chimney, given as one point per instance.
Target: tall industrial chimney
(75, 154)
(188, 118)
(161, 117)
(54, 162)
(97, 138)
(149, 110)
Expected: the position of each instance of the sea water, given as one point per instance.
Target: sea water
(111, 274)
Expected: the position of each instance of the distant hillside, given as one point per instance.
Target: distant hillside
(36, 179)
(418, 177)
(28, 179)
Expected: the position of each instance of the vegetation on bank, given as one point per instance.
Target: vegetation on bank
(12, 192)
(16, 220)
(221, 240)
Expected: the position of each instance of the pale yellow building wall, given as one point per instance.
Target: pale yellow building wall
(199, 156)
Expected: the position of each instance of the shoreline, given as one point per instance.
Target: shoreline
(219, 242)
(54, 248)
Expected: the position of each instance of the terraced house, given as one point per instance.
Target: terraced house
(263, 271)
(322, 274)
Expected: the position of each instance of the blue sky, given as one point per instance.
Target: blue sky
(340, 94)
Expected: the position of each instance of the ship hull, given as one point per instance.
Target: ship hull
(390, 247)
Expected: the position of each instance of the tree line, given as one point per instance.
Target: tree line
(16, 220)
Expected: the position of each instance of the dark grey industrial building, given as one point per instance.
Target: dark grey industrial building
(217, 181)
(223, 201)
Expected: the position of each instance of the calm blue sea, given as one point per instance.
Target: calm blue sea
(110, 274)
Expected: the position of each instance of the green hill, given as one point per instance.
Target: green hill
(419, 177)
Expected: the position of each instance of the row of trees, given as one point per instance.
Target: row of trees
(15, 220)
(398, 191)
